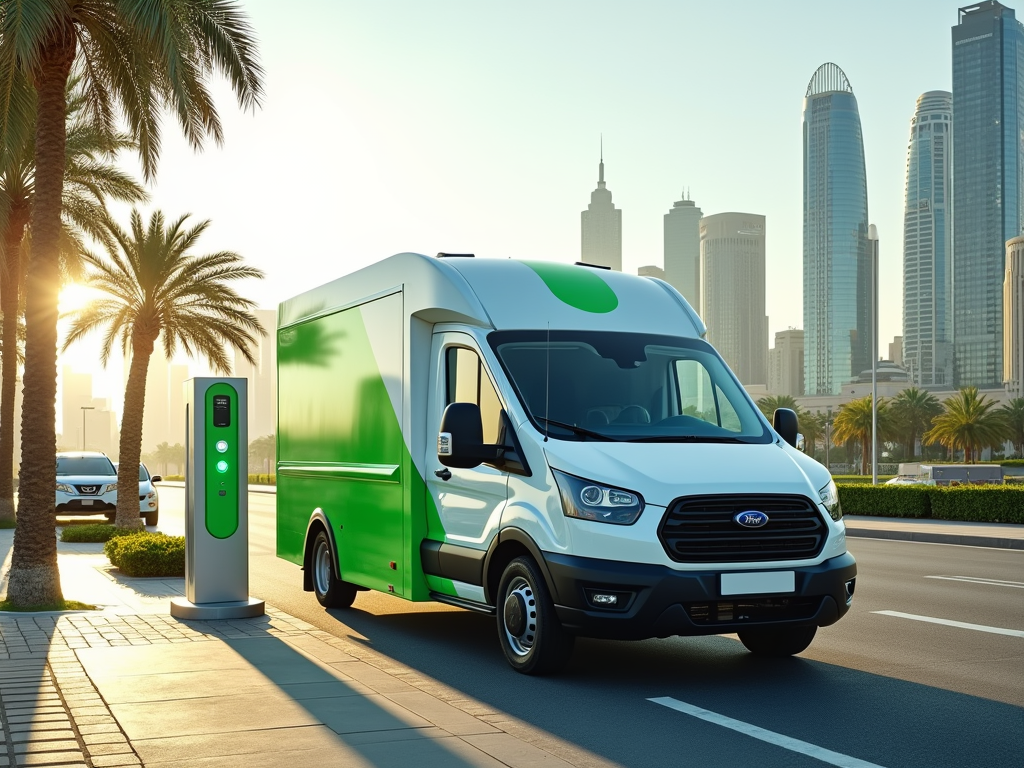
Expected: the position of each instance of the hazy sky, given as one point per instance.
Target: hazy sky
(473, 127)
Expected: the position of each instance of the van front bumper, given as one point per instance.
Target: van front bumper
(657, 601)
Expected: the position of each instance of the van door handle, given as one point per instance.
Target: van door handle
(445, 474)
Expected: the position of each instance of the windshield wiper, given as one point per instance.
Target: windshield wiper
(687, 439)
(574, 429)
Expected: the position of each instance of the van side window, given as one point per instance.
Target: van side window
(699, 397)
(467, 382)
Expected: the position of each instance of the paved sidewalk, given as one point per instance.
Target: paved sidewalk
(131, 685)
(1003, 536)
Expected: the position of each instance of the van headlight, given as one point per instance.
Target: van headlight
(830, 500)
(587, 500)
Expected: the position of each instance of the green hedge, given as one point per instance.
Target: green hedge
(88, 533)
(851, 479)
(970, 503)
(253, 479)
(985, 504)
(147, 554)
(886, 500)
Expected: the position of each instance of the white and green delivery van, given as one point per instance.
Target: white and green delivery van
(553, 445)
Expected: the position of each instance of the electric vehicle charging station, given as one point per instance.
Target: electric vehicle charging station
(216, 502)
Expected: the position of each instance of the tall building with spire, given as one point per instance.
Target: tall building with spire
(988, 121)
(682, 250)
(837, 264)
(927, 245)
(601, 226)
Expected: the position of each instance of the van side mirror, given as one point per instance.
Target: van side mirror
(785, 422)
(460, 442)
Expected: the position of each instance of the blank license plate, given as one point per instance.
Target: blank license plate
(87, 502)
(760, 583)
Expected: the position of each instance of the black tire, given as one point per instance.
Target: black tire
(529, 632)
(151, 518)
(330, 591)
(777, 641)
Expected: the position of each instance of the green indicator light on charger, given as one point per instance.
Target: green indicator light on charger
(222, 466)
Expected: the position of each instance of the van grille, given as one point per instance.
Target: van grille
(701, 529)
(754, 609)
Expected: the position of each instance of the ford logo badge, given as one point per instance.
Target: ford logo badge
(751, 518)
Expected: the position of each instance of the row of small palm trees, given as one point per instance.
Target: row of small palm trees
(81, 80)
(967, 421)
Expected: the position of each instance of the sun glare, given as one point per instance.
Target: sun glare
(74, 296)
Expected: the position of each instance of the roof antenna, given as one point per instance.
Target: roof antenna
(547, 385)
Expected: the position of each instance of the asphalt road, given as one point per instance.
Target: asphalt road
(876, 689)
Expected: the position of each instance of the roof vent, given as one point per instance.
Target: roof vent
(456, 255)
(592, 266)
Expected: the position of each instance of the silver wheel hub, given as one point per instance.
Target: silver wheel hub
(322, 568)
(519, 617)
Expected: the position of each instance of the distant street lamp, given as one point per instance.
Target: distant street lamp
(84, 409)
(873, 245)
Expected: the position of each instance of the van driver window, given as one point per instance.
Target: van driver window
(467, 382)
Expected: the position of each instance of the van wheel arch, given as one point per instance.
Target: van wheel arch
(317, 522)
(507, 546)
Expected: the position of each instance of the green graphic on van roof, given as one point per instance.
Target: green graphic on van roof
(578, 287)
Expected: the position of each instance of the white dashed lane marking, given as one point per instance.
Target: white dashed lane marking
(778, 739)
(951, 623)
(979, 580)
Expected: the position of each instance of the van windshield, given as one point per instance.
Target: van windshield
(586, 385)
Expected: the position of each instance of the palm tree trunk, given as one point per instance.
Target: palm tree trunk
(9, 306)
(130, 448)
(34, 578)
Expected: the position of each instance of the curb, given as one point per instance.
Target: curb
(936, 538)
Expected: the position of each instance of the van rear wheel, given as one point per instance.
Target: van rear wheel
(529, 632)
(777, 641)
(330, 591)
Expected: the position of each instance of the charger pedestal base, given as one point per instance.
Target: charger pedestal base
(235, 609)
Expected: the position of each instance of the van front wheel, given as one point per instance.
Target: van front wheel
(777, 641)
(529, 631)
(330, 591)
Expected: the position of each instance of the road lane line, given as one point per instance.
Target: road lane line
(786, 742)
(980, 580)
(950, 623)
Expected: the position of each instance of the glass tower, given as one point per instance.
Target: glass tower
(682, 250)
(988, 78)
(927, 247)
(837, 265)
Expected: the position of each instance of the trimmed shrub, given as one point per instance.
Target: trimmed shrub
(1013, 463)
(886, 500)
(979, 503)
(147, 554)
(859, 479)
(262, 479)
(87, 533)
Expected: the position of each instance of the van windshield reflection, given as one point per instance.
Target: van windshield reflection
(627, 387)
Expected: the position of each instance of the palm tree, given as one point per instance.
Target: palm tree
(1013, 415)
(137, 58)
(156, 288)
(912, 412)
(812, 427)
(771, 403)
(90, 177)
(969, 423)
(853, 424)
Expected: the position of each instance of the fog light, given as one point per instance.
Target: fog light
(599, 599)
(851, 585)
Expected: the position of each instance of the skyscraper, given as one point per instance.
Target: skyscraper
(927, 244)
(1013, 318)
(988, 117)
(601, 226)
(682, 250)
(732, 292)
(262, 378)
(837, 264)
(786, 363)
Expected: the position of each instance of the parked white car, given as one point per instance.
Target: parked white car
(149, 497)
(86, 484)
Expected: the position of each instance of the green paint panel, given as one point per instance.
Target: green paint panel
(579, 287)
(221, 467)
